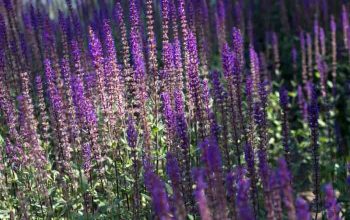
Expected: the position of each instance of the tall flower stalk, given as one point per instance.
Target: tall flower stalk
(313, 124)
(285, 125)
(333, 208)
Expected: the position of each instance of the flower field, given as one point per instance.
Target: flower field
(175, 109)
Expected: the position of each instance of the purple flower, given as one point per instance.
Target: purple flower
(181, 123)
(313, 124)
(60, 118)
(206, 97)
(283, 97)
(3, 35)
(245, 211)
(331, 205)
(183, 136)
(86, 115)
(285, 126)
(194, 81)
(137, 56)
(217, 88)
(302, 103)
(112, 73)
(238, 49)
(264, 172)
(178, 62)
(313, 111)
(322, 69)
(14, 154)
(77, 59)
(135, 17)
(284, 177)
(131, 133)
(132, 136)
(44, 119)
(238, 64)
(275, 194)
(275, 48)
(211, 157)
(34, 18)
(231, 77)
(200, 196)
(231, 185)
(168, 113)
(302, 208)
(255, 70)
(159, 196)
(249, 97)
(316, 38)
(8, 5)
(173, 171)
(7, 109)
(323, 42)
(250, 160)
(345, 22)
(98, 61)
(334, 52)
(227, 61)
(309, 56)
(214, 126)
(86, 154)
(165, 6)
(303, 58)
(29, 126)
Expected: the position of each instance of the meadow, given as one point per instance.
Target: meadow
(175, 109)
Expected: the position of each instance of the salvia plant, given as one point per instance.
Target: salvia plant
(174, 109)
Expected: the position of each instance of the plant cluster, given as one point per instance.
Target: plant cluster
(174, 109)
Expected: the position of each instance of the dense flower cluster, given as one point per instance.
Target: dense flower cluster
(174, 109)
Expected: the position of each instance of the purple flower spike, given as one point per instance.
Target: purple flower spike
(345, 21)
(137, 56)
(86, 148)
(200, 195)
(98, 60)
(255, 70)
(181, 123)
(227, 61)
(323, 42)
(168, 113)
(285, 181)
(14, 154)
(211, 156)
(334, 52)
(313, 110)
(322, 69)
(302, 103)
(245, 211)
(313, 114)
(131, 133)
(302, 208)
(285, 126)
(159, 196)
(283, 97)
(173, 172)
(194, 81)
(331, 205)
(217, 88)
(238, 48)
(249, 158)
